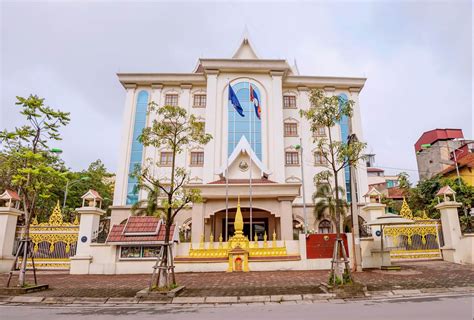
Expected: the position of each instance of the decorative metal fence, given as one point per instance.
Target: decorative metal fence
(419, 241)
(53, 242)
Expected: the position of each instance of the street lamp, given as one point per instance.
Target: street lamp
(56, 150)
(70, 183)
(300, 147)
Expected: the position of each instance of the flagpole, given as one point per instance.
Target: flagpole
(250, 156)
(227, 172)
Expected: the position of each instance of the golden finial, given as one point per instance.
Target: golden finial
(201, 242)
(211, 240)
(405, 211)
(56, 218)
(239, 221)
(76, 220)
(220, 241)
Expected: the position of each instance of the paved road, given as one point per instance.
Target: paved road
(458, 307)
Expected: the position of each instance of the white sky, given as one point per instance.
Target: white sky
(417, 56)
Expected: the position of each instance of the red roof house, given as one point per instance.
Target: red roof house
(141, 230)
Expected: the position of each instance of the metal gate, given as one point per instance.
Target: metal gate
(421, 240)
(54, 242)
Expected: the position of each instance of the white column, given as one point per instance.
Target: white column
(156, 90)
(286, 219)
(182, 160)
(89, 225)
(8, 220)
(120, 191)
(210, 150)
(276, 141)
(356, 127)
(451, 229)
(149, 153)
(304, 131)
(197, 227)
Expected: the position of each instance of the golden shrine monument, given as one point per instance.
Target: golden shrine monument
(238, 250)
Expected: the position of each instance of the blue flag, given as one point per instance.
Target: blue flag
(235, 102)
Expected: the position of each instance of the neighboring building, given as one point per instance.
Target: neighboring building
(268, 143)
(433, 151)
(465, 162)
(387, 185)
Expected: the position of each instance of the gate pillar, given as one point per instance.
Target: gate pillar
(8, 219)
(451, 229)
(90, 214)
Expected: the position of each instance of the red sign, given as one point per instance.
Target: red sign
(321, 246)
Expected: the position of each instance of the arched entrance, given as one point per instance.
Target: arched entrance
(262, 222)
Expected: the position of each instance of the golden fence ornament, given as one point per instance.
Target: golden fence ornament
(53, 232)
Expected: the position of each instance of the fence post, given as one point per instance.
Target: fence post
(90, 214)
(8, 220)
(451, 229)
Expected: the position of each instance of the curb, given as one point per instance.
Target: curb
(232, 300)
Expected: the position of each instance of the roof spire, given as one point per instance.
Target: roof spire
(245, 50)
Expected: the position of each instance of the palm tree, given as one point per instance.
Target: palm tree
(326, 202)
(150, 205)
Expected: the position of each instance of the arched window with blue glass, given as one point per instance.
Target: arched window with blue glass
(344, 126)
(136, 152)
(249, 125)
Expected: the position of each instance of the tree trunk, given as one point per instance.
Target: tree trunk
(26, 247)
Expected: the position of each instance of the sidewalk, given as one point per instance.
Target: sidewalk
(230, 300)
(432, 275)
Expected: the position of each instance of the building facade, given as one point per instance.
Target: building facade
(261, 150)
(434, 151)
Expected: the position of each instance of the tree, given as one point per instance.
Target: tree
(327, 112)
(174, 130)
(97, 178)
(423, 196)
(325, 200)
(33, 176)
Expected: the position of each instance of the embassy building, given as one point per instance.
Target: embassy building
(258, 151)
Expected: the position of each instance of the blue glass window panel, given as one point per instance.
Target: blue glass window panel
(241, 126)
(344, 125)
(136, 153)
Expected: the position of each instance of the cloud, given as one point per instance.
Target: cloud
(416, 56)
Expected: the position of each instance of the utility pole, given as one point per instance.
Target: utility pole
(355, 213)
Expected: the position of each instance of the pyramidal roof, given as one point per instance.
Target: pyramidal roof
(244, 147)
(245, 50)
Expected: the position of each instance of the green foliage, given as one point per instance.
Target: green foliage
(33, 174)
(175, 130)
(423, 196)
(95, 177)
(325, 198)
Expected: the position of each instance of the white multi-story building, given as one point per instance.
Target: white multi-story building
(264, 149)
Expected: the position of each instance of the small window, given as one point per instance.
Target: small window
(292, 158)
(166, 158)
(171, 100)
(319, 132)
(289, 102)
(139, 252)
(197, 158)
(291, 129)
(199, 101)
(325, 226)
(319, 158)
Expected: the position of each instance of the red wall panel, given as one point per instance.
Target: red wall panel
(320, 246)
